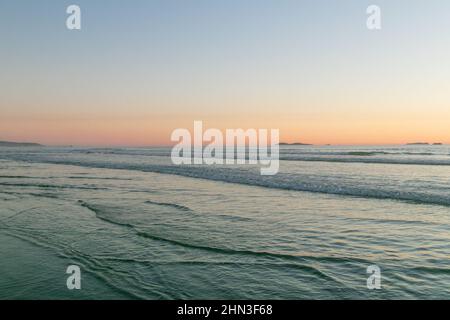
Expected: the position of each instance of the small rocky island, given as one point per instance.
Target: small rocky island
(19, 144)
(418, 144)
(424, 144)
(294, 144)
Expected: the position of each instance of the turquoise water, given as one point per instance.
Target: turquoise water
(142, 228)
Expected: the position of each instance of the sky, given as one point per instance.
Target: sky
(138, 70)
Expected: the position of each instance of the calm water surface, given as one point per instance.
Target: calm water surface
(141, 228)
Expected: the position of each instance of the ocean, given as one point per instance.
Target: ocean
(140, 227)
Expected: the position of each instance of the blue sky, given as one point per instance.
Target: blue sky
(310, 68)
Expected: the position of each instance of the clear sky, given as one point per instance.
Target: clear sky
(139, 69)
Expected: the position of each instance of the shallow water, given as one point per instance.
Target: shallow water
(142, 228)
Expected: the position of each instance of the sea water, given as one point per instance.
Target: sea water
(140, 227)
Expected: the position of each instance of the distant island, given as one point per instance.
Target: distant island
(294, 144)
(418, 144)
(424, 144)
(19, 144)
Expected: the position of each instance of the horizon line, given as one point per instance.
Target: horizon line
(281, 144)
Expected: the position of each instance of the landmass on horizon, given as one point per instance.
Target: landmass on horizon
(424, 144)
(294, 144)
(19, 144)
